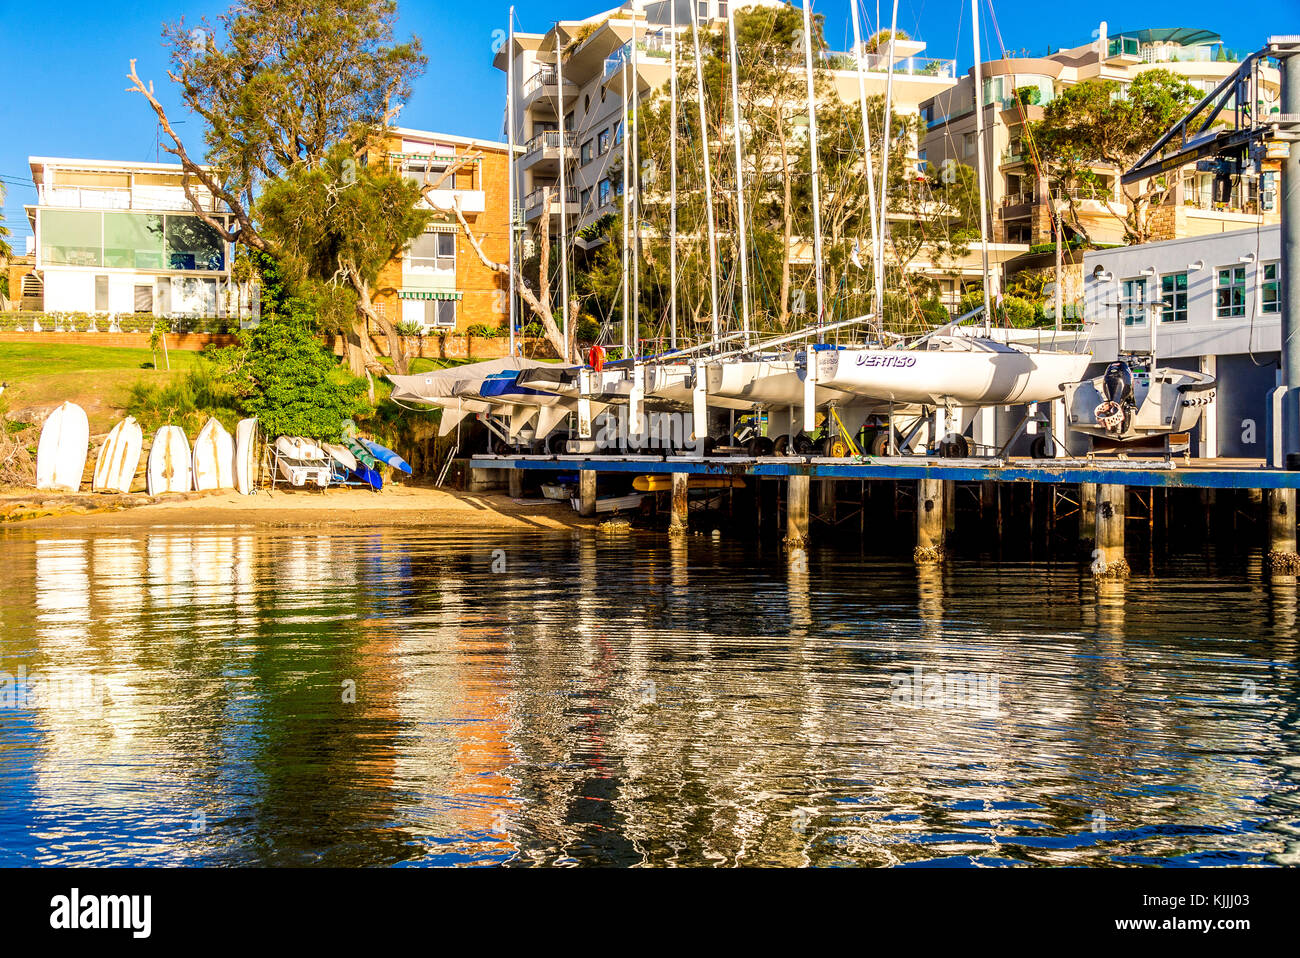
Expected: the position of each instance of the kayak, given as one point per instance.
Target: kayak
(664, 483)
(384, 454)
(360, 451)
(369, 476)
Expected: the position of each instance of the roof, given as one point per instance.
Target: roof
(103, 166)
(408, 133)
(1184, 36)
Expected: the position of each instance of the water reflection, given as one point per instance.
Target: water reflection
(396, 697)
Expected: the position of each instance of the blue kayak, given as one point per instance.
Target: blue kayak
(384, 454)
(369, 476)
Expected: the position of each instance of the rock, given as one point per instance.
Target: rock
(32, 414)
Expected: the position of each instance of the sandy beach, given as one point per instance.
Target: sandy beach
(396, 505)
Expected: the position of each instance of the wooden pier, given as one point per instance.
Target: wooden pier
(1097, 490)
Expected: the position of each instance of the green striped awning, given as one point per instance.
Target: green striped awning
(428, 294)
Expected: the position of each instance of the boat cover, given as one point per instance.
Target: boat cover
(441, 383)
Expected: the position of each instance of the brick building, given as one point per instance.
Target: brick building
(439, 282)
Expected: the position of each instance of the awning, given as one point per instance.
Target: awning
(428, 294)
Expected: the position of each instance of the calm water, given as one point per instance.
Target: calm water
(621, 700)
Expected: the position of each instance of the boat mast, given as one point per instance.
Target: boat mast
(708, 176)
(740, 179)
(866, 156)
(510, 168)
(564, 205)
(882, 207)
(979, 159)
(627, 243)
(812, 145)
(635, 182)
(672, 200)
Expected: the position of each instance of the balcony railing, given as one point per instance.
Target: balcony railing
(118, 198)
(546, 140)
(908, 66)
(534, 199)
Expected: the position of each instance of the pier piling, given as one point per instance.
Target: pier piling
(1087, 517)
(1282, 532)
(826, 500)
(587, 492)
(516, 483)
(677, 523)
(931, 520)
(796, 511)
(1109, 561)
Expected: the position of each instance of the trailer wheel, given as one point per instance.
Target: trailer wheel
(1038, 448)
(954, 446)
(837, 448)
(782, 446)
(803, 444)
(760, 446)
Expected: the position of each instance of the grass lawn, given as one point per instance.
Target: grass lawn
(97, 378)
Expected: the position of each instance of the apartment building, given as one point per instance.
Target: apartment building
(1020, 210)
(121, 237)
(588, 104)
(438, 282)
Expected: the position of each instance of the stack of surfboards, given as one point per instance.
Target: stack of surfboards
(64, 445)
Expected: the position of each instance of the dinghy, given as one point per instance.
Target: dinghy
(119, 458)
(169, 469)
(214, 458)
(61, 454)
(302, 462)
(245, 455)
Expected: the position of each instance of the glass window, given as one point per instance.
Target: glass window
(618, 132)
(586, 199)
(1230, 294)
(133, 240)
(72, 238)
(193, 244)
(587, 153)
(603, 186)
(602, 142)
(1134, 299)
(1269, 294)
(1173, 296)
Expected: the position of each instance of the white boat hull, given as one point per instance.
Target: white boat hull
(214, 458)
(119, 458)
(245, 455)
(169, 468)
(64, 445)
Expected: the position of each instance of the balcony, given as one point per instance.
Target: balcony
(151, 198)
(907, 66)
(544, 87)
(1013, 156)
(545, 150)
(467, 201)
(1124, 49)
(535, 203)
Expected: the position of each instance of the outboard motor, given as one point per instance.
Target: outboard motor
(1117, 387)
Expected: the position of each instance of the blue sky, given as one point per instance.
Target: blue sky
(66, 82)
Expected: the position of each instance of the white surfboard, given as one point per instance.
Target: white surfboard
(119, 458)
(61, 454)
(214, 458)
(169, 462)
(245, 452)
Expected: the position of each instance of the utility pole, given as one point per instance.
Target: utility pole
(1288, 50)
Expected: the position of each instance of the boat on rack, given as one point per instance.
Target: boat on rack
(1131, 403)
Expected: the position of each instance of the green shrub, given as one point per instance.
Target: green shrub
(186, 402)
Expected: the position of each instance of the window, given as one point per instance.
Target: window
(968, 144)
(1173, 296)
(71, 238)
(433, 251)
(1269, 300)
(144, 299)
(101, 294)
(602, 142)
(193, 244)
(1230, 294)
(587, 153)
(568, 121)
(586, 200)
(133, 240)
(618, 132)
(1133, 303)
(440, 312)
(603, 187)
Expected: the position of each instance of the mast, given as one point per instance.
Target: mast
(510, 169)
(564, 205)
(672, 200)
(636, 190)
(866, 156)
(627, 245)
(882, 207)
(979, 159)
(812, 146)
(708, 176)
(741, 226)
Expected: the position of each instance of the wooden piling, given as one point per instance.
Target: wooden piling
(930, 521)
(1282, 556)
(826, 500)
(1109, 561)
(796, 511)
(1087, 517)
(587, 492)
(677, 524)
(516, 477)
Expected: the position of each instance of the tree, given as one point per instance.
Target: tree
(1103, 124)
(279, 86)
(336, 224)
(281, 374)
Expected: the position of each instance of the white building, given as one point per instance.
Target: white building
(1210, 303)
(119, 238)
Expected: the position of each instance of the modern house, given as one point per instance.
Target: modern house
(1016, 89)
(439, 283)
(1208, 303)
(121, 237)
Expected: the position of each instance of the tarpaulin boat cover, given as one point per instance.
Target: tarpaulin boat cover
(441, 383)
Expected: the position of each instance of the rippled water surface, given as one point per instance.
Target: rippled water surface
(226, 697)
